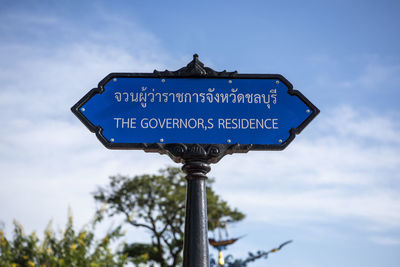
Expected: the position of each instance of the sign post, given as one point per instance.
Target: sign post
(195, 115)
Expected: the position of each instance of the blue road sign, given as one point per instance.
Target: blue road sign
(131, 109)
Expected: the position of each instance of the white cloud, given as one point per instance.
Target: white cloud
(331, 174)
(379, 76)
(319, 205)
(369, 81)
(362, 123)
(49, 160)
(386, 240)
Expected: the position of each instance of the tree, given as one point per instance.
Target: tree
(72, 248)
(157, 203)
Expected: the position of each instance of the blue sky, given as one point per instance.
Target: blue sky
(335, 190)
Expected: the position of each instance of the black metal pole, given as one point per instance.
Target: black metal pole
(195, 250)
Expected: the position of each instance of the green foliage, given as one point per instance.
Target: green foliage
(157, 203)
(142, 253)
(71, 249)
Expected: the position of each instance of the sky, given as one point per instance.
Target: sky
(335, 190)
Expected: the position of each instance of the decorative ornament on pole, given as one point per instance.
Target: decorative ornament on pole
(195, 68)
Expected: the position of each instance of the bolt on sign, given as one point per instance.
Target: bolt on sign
(195, 110)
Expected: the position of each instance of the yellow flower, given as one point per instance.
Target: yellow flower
(26, 257)
(2, 239)
(31, 264)
(82, 235)
(73, 246)
(81, 242)
(145, 256)
(14, 265)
